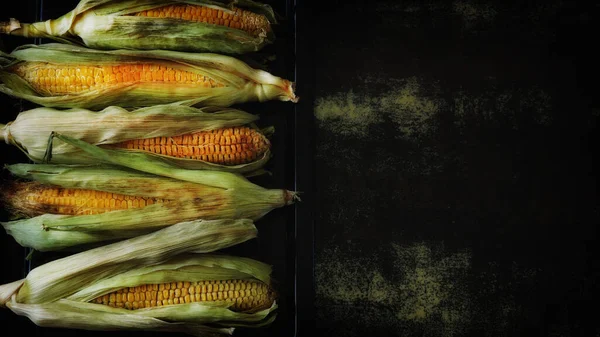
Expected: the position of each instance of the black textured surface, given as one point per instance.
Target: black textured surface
(455, 168)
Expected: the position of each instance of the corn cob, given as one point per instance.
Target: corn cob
(52, 214)
(55, 79)
(140, 162)
(57, 75)
(33, 199)
(99, 289)
(242, 295)
(231, 27)
(252, 23)
(208, 138)
(231, 146)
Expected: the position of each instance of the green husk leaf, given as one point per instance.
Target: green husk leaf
(248, 169)
(63, 277)
(87, 316)
(203, 314)
(57, 294)
(141, 163)
(225, 196)
(192, 268)
(31, 129)
(106, 25)
(49, 232)
(267, 320)
(112, 179)
(189, 317)
(242, 83)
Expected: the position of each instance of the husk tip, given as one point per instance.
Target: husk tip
(8, 291)
(6, 27)
(291, 197)
(13, 198)
(292, 90)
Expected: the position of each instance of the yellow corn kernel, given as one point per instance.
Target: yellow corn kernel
(252, 23)
(36, 199)
(134, 297)
(48, 78)
(228, 146)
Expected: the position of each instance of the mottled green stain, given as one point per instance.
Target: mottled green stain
(478, 131)
(380, 289)
(511, 108)
(347, 114)
(423, 287)
(415, 109)
(412, 111)
(474, 13)
(342, 280)
(432, 288)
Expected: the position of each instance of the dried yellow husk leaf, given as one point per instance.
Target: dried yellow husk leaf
(31, 130)
(58, 293)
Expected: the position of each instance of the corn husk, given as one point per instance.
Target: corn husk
(242, 83)
(214, 195)
(56, 294)
(139, 162)
(31, 130)
(108, 25)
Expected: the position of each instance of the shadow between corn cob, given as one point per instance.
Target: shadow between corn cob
(229, 27)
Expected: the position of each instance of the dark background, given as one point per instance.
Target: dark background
(455, 168)
(446, 155)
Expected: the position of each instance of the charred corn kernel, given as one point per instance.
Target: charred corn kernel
(232, 27)
(134, 298)
(252, 23)
(52, 74)
(32, 199)
(242, 144)
(167, 200)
